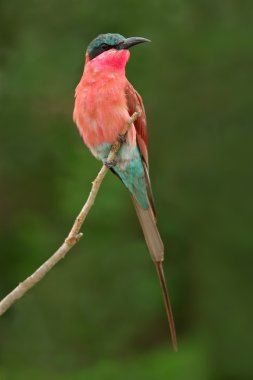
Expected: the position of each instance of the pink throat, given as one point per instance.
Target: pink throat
(111, 60)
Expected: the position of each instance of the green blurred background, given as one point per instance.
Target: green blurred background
(99, 313)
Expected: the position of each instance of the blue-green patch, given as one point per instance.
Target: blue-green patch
(129, 169)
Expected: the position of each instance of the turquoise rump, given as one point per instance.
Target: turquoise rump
(129, 168)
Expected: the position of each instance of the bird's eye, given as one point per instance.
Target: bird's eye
(104, 46)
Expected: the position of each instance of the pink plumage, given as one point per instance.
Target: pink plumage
(98, 93)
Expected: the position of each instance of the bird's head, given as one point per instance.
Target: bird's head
(111, 44)
(105, 42)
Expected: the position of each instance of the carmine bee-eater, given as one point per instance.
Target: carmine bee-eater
(104, 102)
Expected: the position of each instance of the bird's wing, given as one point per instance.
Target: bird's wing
(135, 103)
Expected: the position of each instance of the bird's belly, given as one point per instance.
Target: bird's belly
(101, 114)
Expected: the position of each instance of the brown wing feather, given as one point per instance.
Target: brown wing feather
(134, 102)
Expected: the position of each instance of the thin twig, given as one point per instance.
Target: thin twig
(74, 234)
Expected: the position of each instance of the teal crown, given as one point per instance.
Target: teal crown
(110, 39)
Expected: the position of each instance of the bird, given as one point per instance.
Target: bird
(104, 102)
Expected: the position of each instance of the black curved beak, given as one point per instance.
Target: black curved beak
(129, 42)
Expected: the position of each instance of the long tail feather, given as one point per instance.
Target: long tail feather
(150, 231)
(159, 267)
(156, 249)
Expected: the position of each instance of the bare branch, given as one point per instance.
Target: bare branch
(74, 234)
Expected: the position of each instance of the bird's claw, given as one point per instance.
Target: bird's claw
(110, 164)
(138, 109)
(122, 138)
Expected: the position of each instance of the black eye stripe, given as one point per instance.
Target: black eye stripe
(100, 49)
(105, 46)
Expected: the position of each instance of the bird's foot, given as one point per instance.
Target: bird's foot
(110, 164)
(138, 109)
(122, 138)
